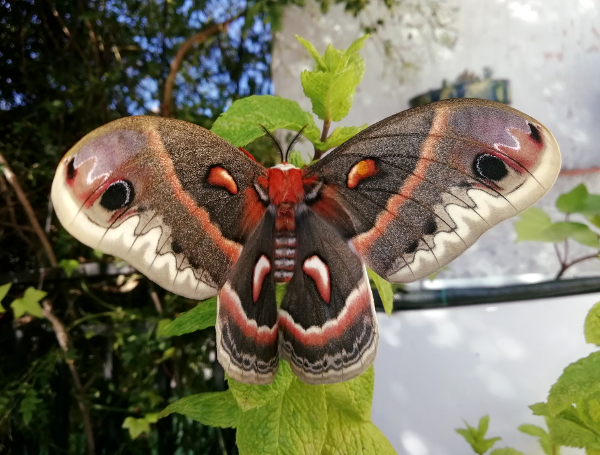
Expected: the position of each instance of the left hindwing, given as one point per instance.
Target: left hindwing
(412, 192)
(327, 317)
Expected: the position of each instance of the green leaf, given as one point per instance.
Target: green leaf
(476, 436)
(138, 426)
(332, 83)
(3, 291)
(292, 422)
(577, 231)
(167, 354)
(250, 396)
(69, 266)
(579, 200)
(340, 135)
(241, 123)
(320, 62)
(29, 303)
(296, 159)
(540, 409)
(353, 397)
(386, 293)
(217, 409)
(579, 380)
(346, 435)
(506, 451)
(200, 317)
(29, 405)
(592, 325)
(533, 430)
(567, 430)
(536, 225)
(595, 220)
(161, 325)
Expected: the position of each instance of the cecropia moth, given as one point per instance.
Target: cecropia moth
(201, 218)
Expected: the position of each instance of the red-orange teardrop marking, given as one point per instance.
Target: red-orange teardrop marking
(360, 171)
(220, 177)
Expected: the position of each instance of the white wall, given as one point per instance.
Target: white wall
(437, 367)
(548, 49)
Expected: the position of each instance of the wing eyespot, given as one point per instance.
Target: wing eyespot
(361, 171)
(176, 247)
(119, 194)
(489, 167)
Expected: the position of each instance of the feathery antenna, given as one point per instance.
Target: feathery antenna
(275, 141)
(296, 137)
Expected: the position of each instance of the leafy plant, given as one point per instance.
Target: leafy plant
(288, 415)
(536, 225)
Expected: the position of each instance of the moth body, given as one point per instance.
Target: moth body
(404, 197)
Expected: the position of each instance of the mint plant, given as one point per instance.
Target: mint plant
(536, 225)
(289, 416)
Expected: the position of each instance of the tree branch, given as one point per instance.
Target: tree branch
(565, 266)
(65, 344)
(12, 180)
(183, 50)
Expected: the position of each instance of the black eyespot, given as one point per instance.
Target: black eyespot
(430, 227)
(535, 133)
(489, 167)
(118, 195)
(412, 247)
(71, 169)
(176, 247)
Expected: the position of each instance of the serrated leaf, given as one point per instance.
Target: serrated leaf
(29, 303)
(340, 135)
(217, 409)
(573, 433)
(577, 231)
(592, 325)
(69, 266)
(506, 451)
(138, 426)
(200, 317)
(331, 84)
(543, 438)
(540, 409)
(28, 405)
(250, 396)
(353, 397)
(579, 380)
(293, 422)
(320, 63)
(386, 292)
(241, 123)
(346, 435)
(476, 436)
(579, 200)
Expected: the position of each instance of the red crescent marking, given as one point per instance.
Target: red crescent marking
(360, 171)
(355, 305)
(261, 269)
(364, 241)
(220, 177)
(319, 272)
(230, 249)
(230, 309)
